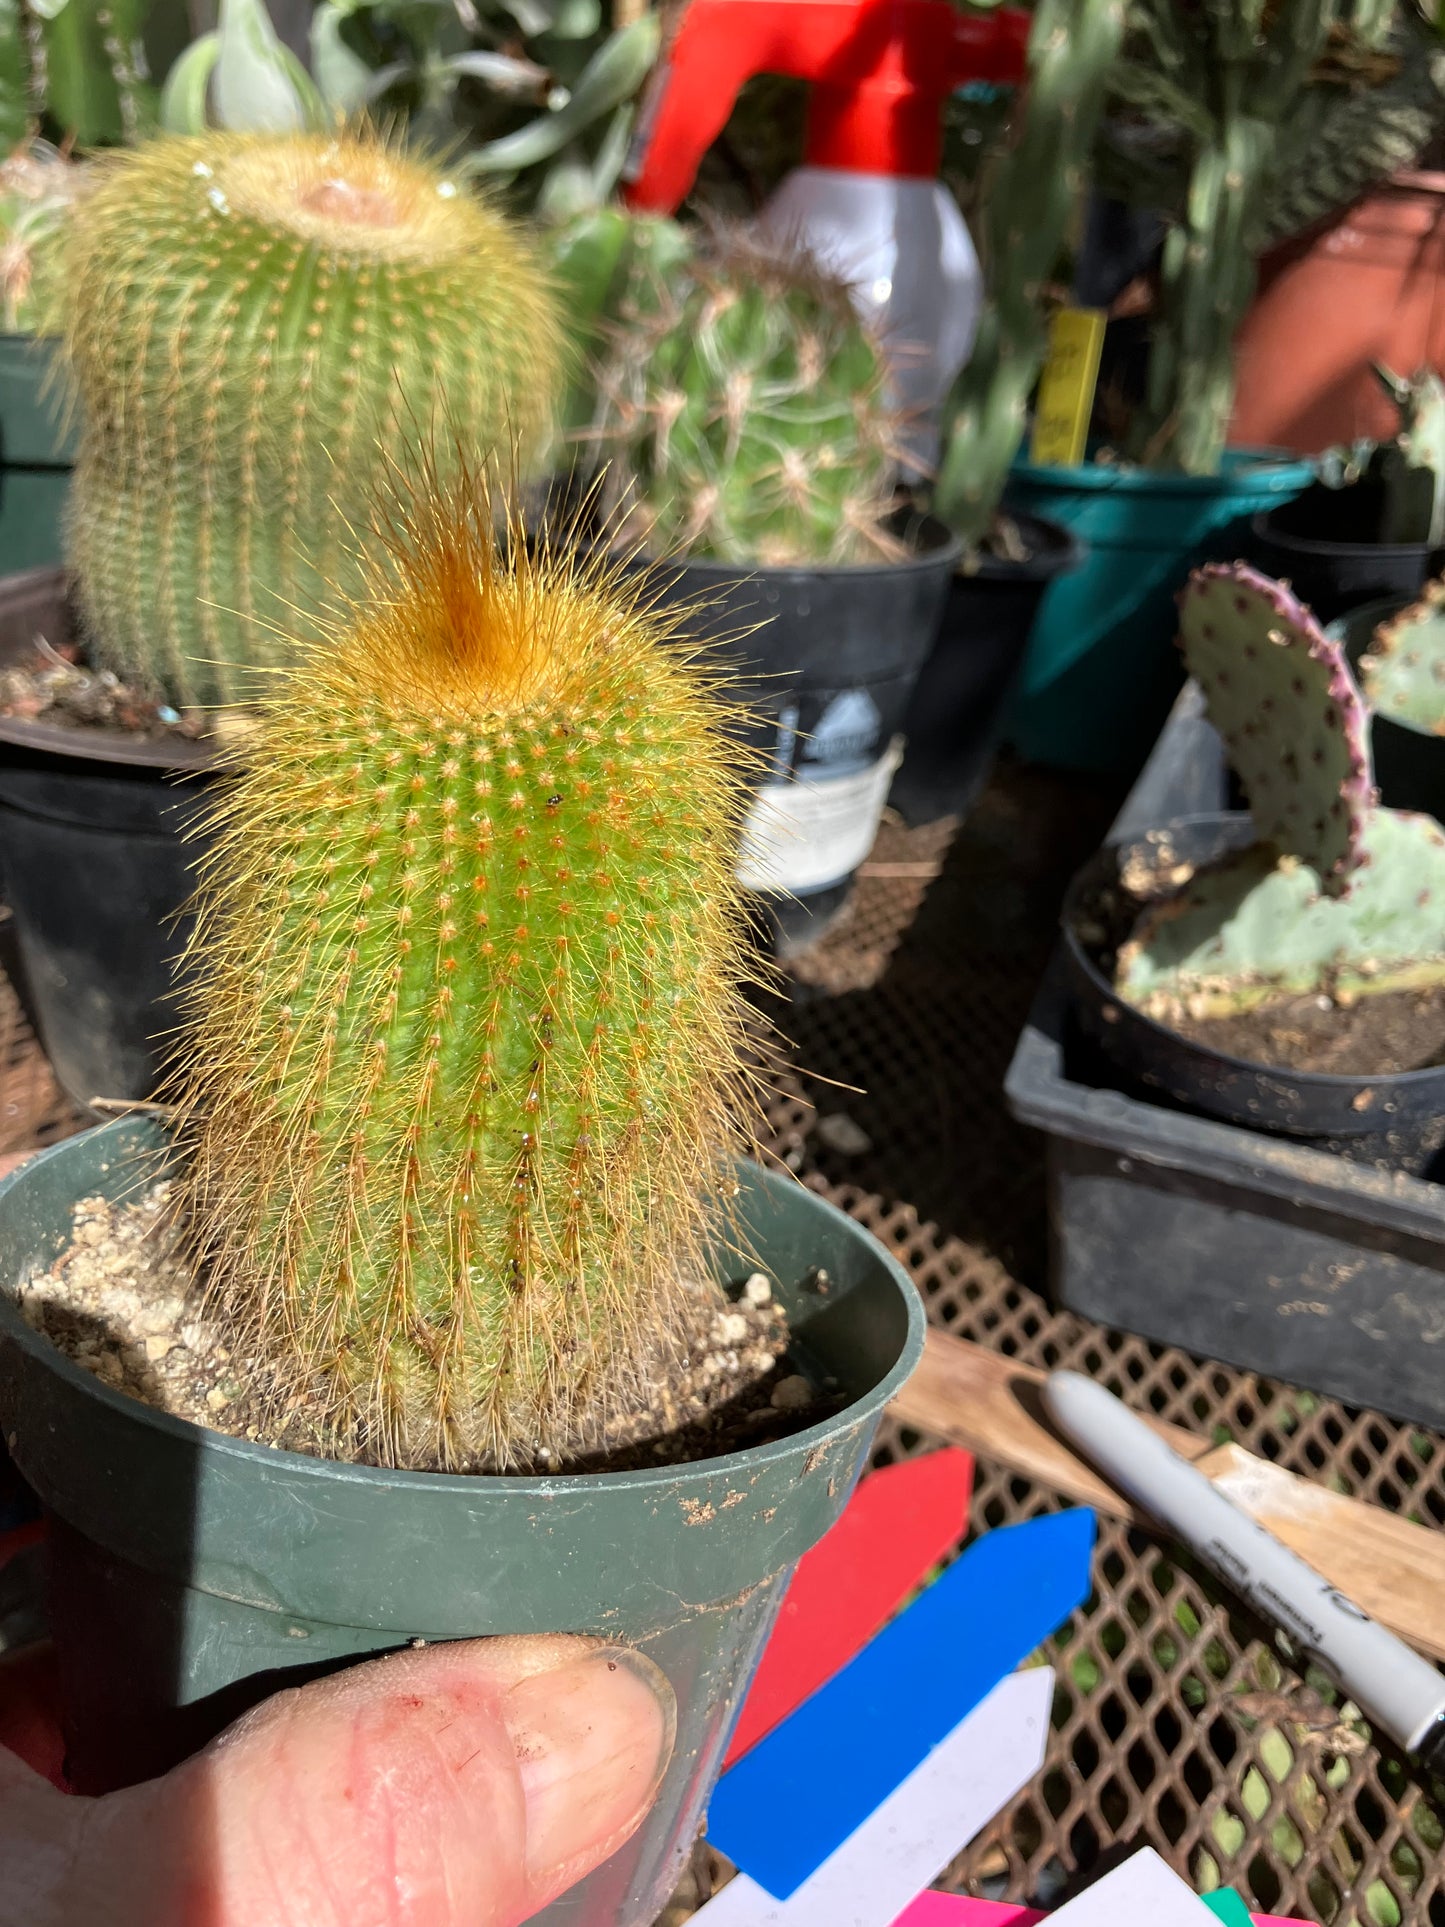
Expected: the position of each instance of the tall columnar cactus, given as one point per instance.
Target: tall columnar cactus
(465, 1039)
(1040, 182)
(743, 416)
(1403, 671)
(1229, 74)
(1337, 894)
(258, 326)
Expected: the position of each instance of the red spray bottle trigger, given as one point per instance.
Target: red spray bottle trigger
(881, 71)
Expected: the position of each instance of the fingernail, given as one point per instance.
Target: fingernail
(592, 1741)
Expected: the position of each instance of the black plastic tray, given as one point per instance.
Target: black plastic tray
(1278, 1257)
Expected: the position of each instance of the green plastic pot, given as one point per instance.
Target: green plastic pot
(36, 454)
(192, 1575)
(1101, 670)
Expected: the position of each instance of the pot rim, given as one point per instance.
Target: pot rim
(1313, 545)
(442, 1485)
(1242, 470)
(1084, 875)
(942, 551)
(87, 743)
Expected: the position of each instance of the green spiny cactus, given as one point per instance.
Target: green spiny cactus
(1403, 671)
(1281, 695)
(1337, 894)
(257, 326)
(464, 1047)
(1072, 47)
(744, 417)
(612, 268)
(1254, 927)
(38, 188)
(1406, 475)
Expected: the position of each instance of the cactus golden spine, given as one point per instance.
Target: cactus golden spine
(257, 324)
(465, 1046)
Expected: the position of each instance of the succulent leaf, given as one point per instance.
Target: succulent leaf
(1281, 695)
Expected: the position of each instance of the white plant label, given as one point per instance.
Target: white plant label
(815, 829)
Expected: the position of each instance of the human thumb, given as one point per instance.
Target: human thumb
(461, 1785)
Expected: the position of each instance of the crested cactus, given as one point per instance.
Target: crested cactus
(1403, 671)
(1337, 894)
(1040, 182)
(743, 414)
(1407, 473)
(259, 327)
(464, 1045)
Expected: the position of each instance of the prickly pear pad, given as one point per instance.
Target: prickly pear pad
(1403, 673)
(1282, 697)
(1257, 925)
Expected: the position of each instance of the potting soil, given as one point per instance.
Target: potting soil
(1377, 1035)
(123, 1301)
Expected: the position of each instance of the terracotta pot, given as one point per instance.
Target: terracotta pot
(1369, 286)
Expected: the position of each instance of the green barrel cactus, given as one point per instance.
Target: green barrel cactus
(1337, 895)
(465, 1047)
(743, 415)
(260, 327)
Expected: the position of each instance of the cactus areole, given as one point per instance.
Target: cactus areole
(465, 1043)
(1338, 895)
(258, 325)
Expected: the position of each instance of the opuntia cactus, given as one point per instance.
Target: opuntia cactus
(743, 415)
(464, 1046)
(1281, 695)
(259, 326)
(1257, 926)
(1337, 893)
(1403, 671)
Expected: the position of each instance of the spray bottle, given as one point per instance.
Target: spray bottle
(867, 201)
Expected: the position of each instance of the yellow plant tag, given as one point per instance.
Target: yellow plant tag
(1066, 387)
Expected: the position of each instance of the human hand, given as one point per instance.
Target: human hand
(460, 1785)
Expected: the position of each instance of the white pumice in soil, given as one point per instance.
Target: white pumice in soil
(122, 1301)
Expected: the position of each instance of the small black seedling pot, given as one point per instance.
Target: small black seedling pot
(1398, 1120)
(825, 660)
(193, 1575)
(1319, 544)
(96, 872)
(951, 726)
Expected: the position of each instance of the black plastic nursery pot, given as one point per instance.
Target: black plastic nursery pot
(952, 724)
(826, 660)
(1409, 762)
(96, 872)
(1267, 1252)
(36, 455)
(194, 1574)
(1315, 543)
(1396, 1119)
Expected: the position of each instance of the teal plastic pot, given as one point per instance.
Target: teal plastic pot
(192, 1575)
(36, 455)
(1101, 670)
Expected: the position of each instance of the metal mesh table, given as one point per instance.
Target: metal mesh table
(1176, 1721)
